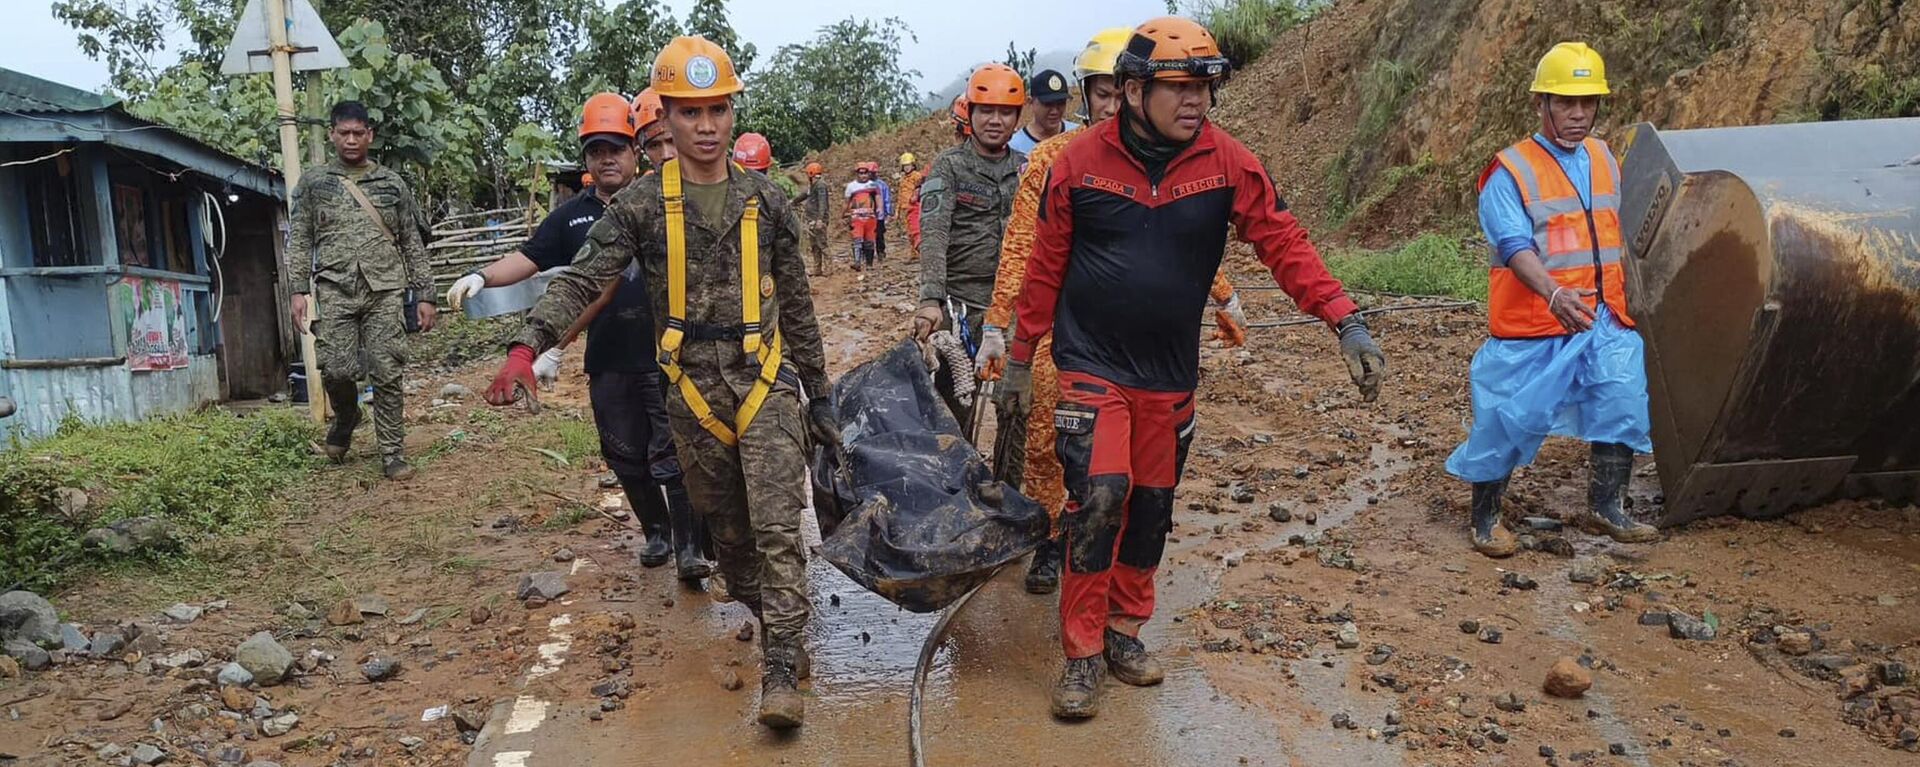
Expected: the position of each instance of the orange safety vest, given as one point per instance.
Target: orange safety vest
(1580, 244)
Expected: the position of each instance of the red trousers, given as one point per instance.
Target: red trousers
(865, 228)
(1122, 451)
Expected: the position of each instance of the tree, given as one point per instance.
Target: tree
(1022, 61)
(618, 56)
(844, 83)
(708, 19)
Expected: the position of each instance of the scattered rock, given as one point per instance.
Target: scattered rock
(1491, 635)
(1555, 545)
(106, 644)
(276, 726)
(131, 536)
(418, 614)
(548, 586)
(1567, 679)
(370, 604)
(344, 613)
(30, 656)
(1617, 749)
(298, 611)
(467, 720)
(25, 616)
(236, 699)
(1278, 512)
(1543, 524)
(9, 668)
(1510, 703)
(1654, 617)
(479, 614)
(410, 742)
(745, 634)
(234, 675)
(1495, 733)
(730, 681)
(263, 657)
(1588, 574)
(1348, 638)
(1240, 493)
(534, 602)
(1456, 569)
(455, 391)
(380, 669)
(147, 753)
(1469, 626)
(114, 710)
(72, 640)
(1380, 655)
(563, 555)
(1518, 582)
(1788, 733)
(1393, 718)
(1894, 674)
(188, 658)
(1683, 626)
(1343, 722)
(1795, 642)
(1313, 518)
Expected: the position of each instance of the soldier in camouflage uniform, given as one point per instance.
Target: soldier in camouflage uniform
(750, 484)
(964, 204)
(360, 268)
(818, 199)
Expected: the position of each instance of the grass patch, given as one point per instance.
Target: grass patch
(1384, 89)
(1245, 29)
(572, 438)
(1429, 265)
(457, 340)
(206, 473)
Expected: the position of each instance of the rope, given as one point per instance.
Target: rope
(953, 355)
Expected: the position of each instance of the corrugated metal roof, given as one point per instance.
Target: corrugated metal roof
(20, 92)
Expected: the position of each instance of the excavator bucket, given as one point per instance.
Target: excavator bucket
(1774, 272)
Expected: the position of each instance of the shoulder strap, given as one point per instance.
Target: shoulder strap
(372, 212)
(676, 259)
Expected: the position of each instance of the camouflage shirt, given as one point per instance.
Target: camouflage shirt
(818, 198)
(332, 239)
(635, 228)
(964, 205)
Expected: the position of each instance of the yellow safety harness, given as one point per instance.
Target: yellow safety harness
(670, 340)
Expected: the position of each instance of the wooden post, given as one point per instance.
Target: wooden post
(290, 169)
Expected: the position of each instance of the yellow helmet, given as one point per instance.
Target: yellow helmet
(1571, 69)
(907, 158)
(692, 67)
(1101, 53)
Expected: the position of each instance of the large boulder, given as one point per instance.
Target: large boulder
(27, 617)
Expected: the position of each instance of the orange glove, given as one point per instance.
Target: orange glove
(1231, 322)
(515, 379)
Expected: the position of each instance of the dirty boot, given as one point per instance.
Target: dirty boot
(1043, 573)
(1490, 537)
(1077, 695)
(655, 528)
(688, 533)
(1607, 493)
(344, 397)
(781, 705)
(1129, 661)
(397, 468)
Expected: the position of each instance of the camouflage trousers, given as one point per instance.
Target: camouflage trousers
(357, 325)
(752, 496)
(817, 245)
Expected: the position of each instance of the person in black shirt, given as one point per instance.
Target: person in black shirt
(625, 382)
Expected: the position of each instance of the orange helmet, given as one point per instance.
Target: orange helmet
(586, 180)
(814, 169)
(606, 113)
(693, 67)
(752, 150)
(963, 114)
(997, 85)
(647, 109)
(1173, 48)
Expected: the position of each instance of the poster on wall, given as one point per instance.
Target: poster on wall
(155, 321)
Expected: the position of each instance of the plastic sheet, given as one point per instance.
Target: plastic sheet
(1590, 386)
(913, 511)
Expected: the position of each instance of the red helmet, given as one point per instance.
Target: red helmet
(752, 150)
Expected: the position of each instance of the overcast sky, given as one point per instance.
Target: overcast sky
(952, 35)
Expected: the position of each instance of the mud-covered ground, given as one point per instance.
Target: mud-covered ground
(630, 667)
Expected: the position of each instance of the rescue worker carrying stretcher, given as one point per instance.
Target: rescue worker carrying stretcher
(1133, 223)
(1564, 358)
(734, 318)
(1024, 453)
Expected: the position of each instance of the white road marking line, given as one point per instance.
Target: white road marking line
(528, 713)
(511, 758)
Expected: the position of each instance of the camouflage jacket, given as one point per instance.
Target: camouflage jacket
(635, 228)
(331, 239)
(964, 205)
(819, 199)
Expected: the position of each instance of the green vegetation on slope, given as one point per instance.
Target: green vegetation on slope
(1429, 265)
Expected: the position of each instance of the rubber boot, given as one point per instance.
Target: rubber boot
(1043, 573)
(397, 469)
(1077, 694)
(689, 531)
(344, 397)
(655, 528)
(1489, 536)
(1129, 661)
(781, 705)
(1607, 493)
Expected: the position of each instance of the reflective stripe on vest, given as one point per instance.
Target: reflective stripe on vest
(750, 339)
(1578, 241)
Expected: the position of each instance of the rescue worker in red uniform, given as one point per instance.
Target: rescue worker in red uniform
(1132, 228)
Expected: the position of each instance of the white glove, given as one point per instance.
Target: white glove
(465, 288)
(993, 349)
(546, 369)
(1232, 308)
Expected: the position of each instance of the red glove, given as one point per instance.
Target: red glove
(515, 379)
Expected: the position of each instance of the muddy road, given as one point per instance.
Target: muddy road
(1317, 578)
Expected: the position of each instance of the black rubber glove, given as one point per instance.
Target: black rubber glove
(822, 424)
(1014, 395)
(1365, 362)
